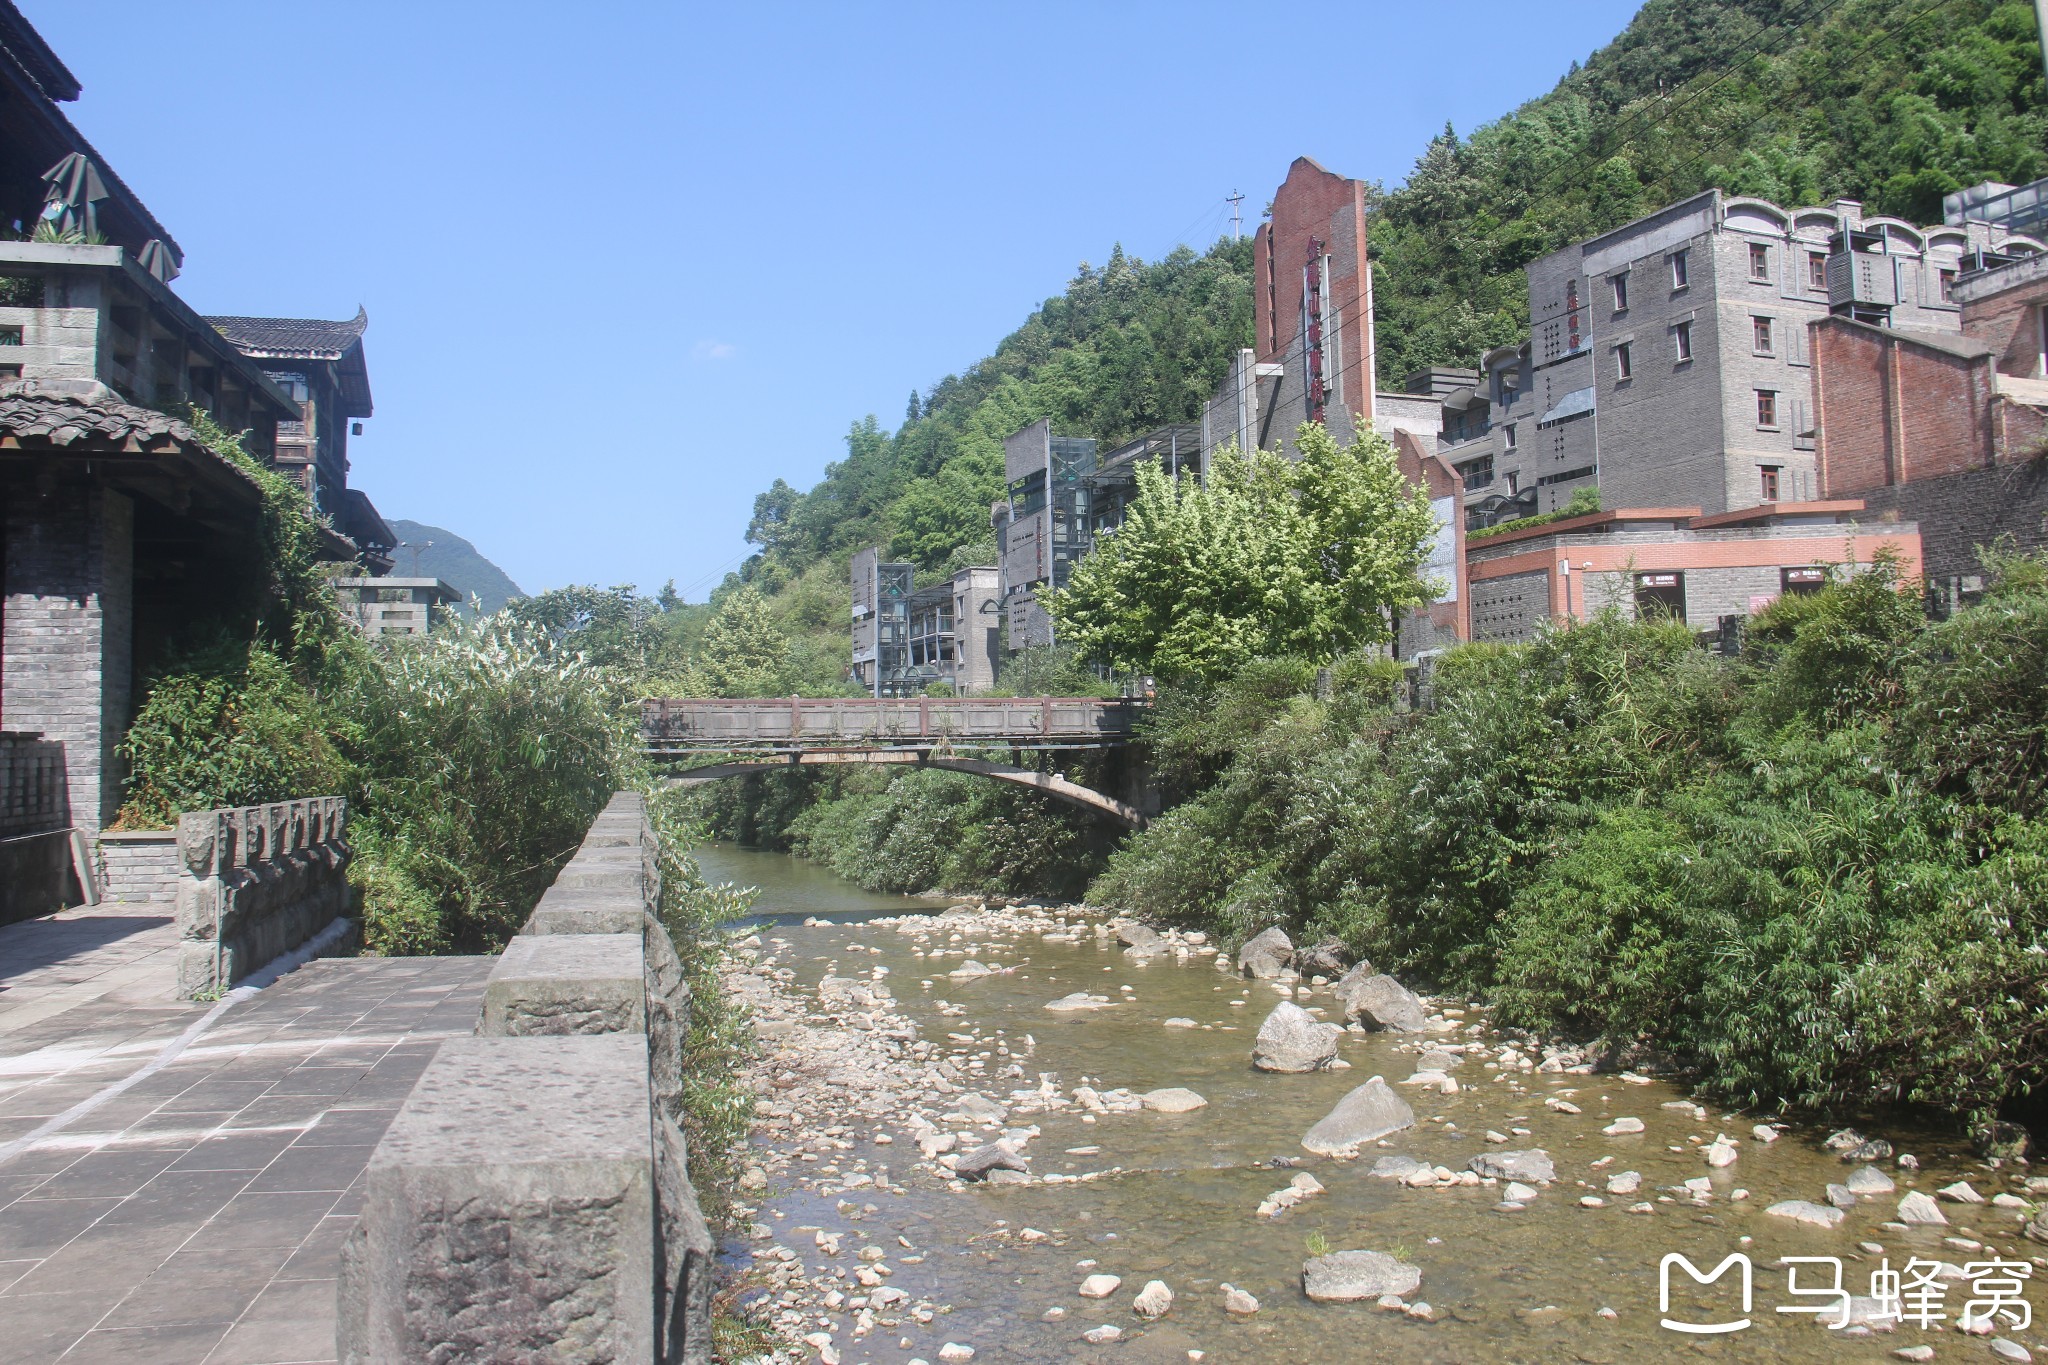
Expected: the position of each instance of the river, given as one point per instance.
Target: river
(1555, 1281)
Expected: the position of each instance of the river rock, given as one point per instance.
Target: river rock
(2003, 1141)
(1806, 1211)
(1720, 1152)
(1621, 1127)
(1367, 1114)
(1328, 958)
(1962, 1192)
(1532, 1166)
(1869, 1180)
(1140, 940)
(1100, 1286)
(980, 1108)
(1266, 955)
(1104, 1335)
(1877, 1149)
(1348, 1276)
(1153, 1300)
(1079, 1000)
(970, 969)
(1294, 1040)
(954, 1352)
(1436, 1059)
(1237, 1303)
(1180, 1023)
(1841, 1196)
(1519, 1193)
(1380, 1002)
(1394, 1167)
(2006, 1349)
(1172, 1100)
(1919, 1208)
(982, 1162)
(1624, 1182)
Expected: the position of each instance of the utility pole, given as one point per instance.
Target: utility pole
(1236, 197)
(417, 550)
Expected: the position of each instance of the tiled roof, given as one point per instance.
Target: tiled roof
(299, 338)
(28, 411)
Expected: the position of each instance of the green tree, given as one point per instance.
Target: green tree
(743, 652)
(1267, 557)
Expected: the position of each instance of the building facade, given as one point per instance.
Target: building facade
(394, 606)
(905, 639)
(881, 624)
(1669, 360)
(1043, 529)
(1694, 568)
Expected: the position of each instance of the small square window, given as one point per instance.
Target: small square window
(1759, 261)
(1767, 407)
(1678, 270)
(1761, 329)
(1770, 482)
(1623, 362)
(1620, 283)
(1817, 270)
(1681, 337)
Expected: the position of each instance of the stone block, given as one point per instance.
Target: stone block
(512, 1212)
(583, 910)
(567, 983)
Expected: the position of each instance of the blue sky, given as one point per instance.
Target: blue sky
(627, 263)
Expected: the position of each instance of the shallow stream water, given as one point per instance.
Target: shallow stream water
(1522, 1286)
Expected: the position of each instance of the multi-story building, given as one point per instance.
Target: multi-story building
(1044, 528)
(905, 638)
(1668, 359)
(320, 365)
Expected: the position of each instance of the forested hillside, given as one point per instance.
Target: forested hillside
(1895, 102)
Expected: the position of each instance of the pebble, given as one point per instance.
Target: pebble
(1518, 1193)
(1238, 1303)
(1623, 1126)
(1153, 1300)
(1100, 1286)
(2010, 1350)
(955, 1351)
(1625, 1182)
(1922, 1352)
(1103, 1335)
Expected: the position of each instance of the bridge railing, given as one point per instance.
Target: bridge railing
(803, 722)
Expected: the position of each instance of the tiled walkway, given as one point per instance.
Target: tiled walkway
(196, 1216)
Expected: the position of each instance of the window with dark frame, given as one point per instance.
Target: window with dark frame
(1946, 279)
(1678, 270)
(1510, 430)
(1761, 331)
(1759, 261)
(1681, 336)
(1770, 482)
(1620, 283)
(1767, 407)
(1623, 367)
(1817, 270)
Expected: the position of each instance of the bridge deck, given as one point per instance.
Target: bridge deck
(795, 724)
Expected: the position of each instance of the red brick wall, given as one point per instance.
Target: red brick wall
(1312, 203)
(1890, 411)
(2009, 320)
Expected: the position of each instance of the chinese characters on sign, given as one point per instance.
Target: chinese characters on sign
(1984, 1296)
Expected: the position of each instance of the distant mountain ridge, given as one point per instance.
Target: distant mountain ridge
(453, 560)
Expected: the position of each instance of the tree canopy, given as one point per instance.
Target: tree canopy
(1265, 557)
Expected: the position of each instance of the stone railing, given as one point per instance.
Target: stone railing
(532, 1200)
(254, 883)
(38, 854)
(139, 867)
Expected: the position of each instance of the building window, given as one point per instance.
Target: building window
(1770, 482)
(1678, 270)
(1623, 365)
(1620, 283)
(1660, 595)
(1817, 271)
(1514, 482)
(1761, 334)
(1947, 282)
(1509, 429)
(1759, 261)
(1477, 474)
(1681, 337)
(1767, 408)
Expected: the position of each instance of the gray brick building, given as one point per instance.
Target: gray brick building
(1667, 361)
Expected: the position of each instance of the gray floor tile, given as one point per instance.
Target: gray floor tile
(252, 1266)
(233, 1151)
(37, 1227)
(297, 1168)
(276, 1343)
(102, 1259)
(161, 1302)
(348, 1127)
(106, 1173)
(147, 1345)
(256, 1220)
(179, 1199)
(41, 1327)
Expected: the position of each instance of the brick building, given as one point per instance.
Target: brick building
(1699, 569)
(1944, 430)
(1668, 360)
(1045, 526)
(395, 606)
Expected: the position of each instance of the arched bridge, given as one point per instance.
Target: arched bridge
(929, 731)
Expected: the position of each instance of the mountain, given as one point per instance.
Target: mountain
(455, 562)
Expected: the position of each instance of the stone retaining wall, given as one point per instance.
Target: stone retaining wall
(532, 1199)
(254, 883)
(36, 874)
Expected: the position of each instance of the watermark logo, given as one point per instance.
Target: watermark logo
(1917, 1294)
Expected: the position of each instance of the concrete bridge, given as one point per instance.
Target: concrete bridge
(927, 731)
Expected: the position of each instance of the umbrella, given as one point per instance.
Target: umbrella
(75, 186)
(159, 260)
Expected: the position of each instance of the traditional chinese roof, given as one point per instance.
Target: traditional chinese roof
(309, 339)
(293, 338)
(31, 412)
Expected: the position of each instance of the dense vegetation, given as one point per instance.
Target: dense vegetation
(1892, 102)
(1816, 872)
